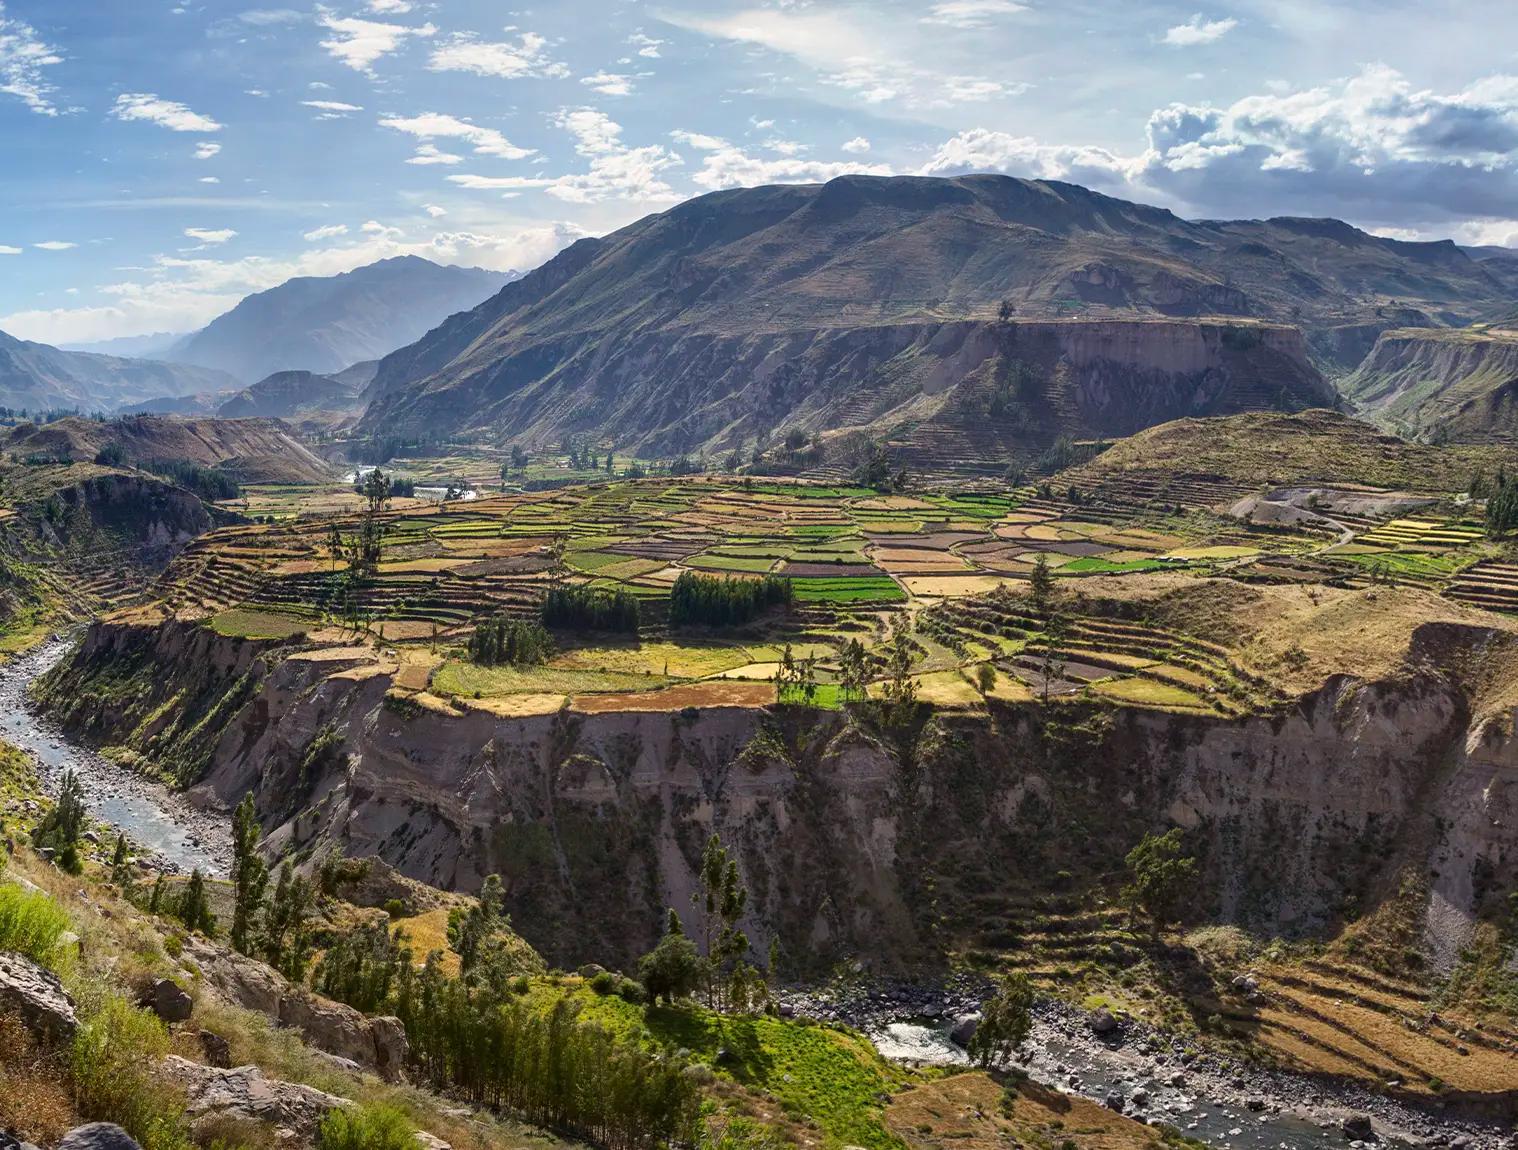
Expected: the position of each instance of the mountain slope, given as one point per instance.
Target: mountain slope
(873, 303)
(1457, 384)
(38, 376)
(289, 393)
(324, 324)
(251, 450)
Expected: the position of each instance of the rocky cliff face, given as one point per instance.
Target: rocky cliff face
(1013, 387)
(1437, 382)
(854, 840)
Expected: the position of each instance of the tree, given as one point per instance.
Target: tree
(900, 690)
(674, 968)
(335, 547)
(853, 670)
(193, 908)
(518, 458)
(286, 942)
(1041, 586)
(1006, 1020)
(1162, 878)
(722, 900)
(61, 827)
(376, 490)
(1052, 662)
(470, 931)
(250, 874)
(121, 874)
(985, 678)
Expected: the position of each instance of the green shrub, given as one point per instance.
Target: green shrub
(30, 923)
(604, 983)
(113, 1055)
(367, 1128)
(631, 990)
(395, 907)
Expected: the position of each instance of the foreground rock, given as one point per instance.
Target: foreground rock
(36, 995)
(377, 1044)
(244, 1094)
(98, 1136)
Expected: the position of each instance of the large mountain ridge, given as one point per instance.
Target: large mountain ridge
(742, 313)
(324, 324)
(38, 376)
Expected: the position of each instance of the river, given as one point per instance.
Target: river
(160, 823)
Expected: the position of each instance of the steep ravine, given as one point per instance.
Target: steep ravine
(854, 841)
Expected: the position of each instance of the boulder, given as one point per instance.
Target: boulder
(244, 1094)
(1104, 1022)
(8, 1142)
(391, 1050)
(238, 979)
(218, 1050)
(98, 1136)
(168, 1000)
(1358, 1128)
(333, 1026)
(1115, 1101)
(431, 1141)
(964, 1030)
(35, 994)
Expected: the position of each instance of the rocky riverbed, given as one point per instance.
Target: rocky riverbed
(1219, 1101)
(167, 831)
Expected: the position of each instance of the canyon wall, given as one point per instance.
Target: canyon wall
(855, 839)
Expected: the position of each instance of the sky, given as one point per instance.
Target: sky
(160, 160)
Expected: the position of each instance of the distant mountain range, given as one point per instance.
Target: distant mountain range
(37, 376)
(956, 316)
(329, 323)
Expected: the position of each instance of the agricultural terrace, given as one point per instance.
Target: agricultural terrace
(957, 563)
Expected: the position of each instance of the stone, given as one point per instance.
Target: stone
(1104, 1022)
(786, 1010)
(236, 978)
(1115, 1101)
(1255, 1104)
(37, 997)
(431, 1141)
(332, 1026)
(1358, 1128)
(391, 1050)
(1140, 1097)
(964, 1030)
(244, 1094)
(218, 1050)
(98, 1136)
(169, 1001)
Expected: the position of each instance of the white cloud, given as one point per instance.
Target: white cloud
(647, 46)
(359, 43)
(210, 236)
(504, 60)
(435, 125)
(270, 17)
(616, 171)
(430, 154)
(375, 228)
(23, 58)
(1199, 30)
(857, 146)
(1370, 147)
(971, 13)
(390, 7)
(209, 180)
(725, 165)
(206, 149)
(180, 294)
(850, 53)
(7, 250)
(609, 83)
(332, 109)
(55, 245)
(331, 231)
(165, 113)
(434, 211)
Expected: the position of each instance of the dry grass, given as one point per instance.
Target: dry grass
(970, 1111)
(34, 1096)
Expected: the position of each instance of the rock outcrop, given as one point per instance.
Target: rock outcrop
(35, 995)
(243, 1093)
(377, 1044)
(1457, 384)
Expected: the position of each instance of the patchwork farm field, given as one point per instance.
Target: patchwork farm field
(956, 566)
